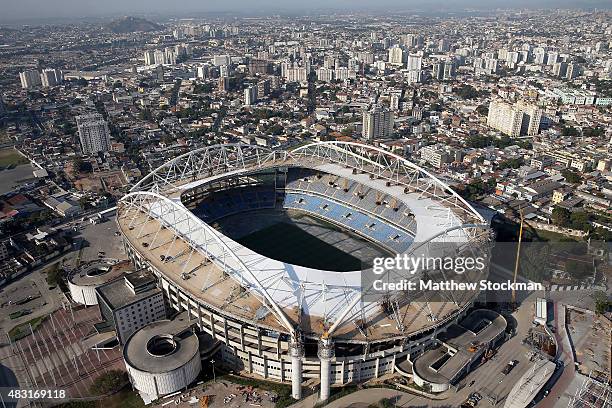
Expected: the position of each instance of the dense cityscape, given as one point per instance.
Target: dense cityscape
(495, 119)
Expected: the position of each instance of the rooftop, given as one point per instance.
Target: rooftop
(162, 346)
(118, 294)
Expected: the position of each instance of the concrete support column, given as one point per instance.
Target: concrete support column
(326, 353)
(281, 364)
(377, 367)
(242, 336)
(296, 350)
(265, 366)
(258, 342)
(212, 326)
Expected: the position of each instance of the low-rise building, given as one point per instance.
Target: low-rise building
(130, 302)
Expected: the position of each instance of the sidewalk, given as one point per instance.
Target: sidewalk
(365, 397)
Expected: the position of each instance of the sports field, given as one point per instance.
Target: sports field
(290, 243)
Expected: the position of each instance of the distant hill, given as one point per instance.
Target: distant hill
(132, 25)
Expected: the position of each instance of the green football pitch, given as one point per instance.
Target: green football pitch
(289, 243)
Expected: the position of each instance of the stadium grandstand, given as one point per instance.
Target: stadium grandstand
(266, 251)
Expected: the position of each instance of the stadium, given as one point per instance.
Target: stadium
(266, 251)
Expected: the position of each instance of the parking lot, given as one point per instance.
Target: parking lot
(489, 379)
(95, 240)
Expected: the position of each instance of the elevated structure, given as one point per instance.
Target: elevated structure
(273, 316)
(530, 384)
(460, 348)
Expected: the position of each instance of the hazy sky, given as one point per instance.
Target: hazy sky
(40, 9)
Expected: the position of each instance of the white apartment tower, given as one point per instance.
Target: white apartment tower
(396, 56)
(219, 60)
(30, 79)
(250, 95)
(514, 120)
(415, 61)
(377, 124)
(51, 77)
(149, 57)
(325, 74)
(93, 133)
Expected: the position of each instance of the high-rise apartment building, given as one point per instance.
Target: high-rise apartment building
(219, 60)
(343, 73)
(250, 95)
(514, 120)
(444, 70)
(159, 57)
(396, 56)
(412, 40)
(377, 123)
(503, 117)
(443, 45)
(573, 70)
(30, 79)
(560, 69)
(149, 57)
(223, 84)
(296, 75)
(415, 61)
(169, 56)
(93, 133)
(325, 74)
(51, 77)
(258, 66)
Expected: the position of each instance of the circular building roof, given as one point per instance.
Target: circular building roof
(98, 272)
(161, 346)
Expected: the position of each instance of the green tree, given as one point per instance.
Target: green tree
(602, 302)
(108, 382)
(561, 217)
(482, 110)
(580, 220)
(467, 92)
(145, 114)
(80, 166)
(578, 270)
(571, 176)
(348, 131)
(569, 131)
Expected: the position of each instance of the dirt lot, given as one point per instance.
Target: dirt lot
(222, 394)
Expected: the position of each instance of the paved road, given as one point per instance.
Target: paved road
(565, 355)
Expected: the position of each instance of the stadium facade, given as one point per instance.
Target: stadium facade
(294, 322)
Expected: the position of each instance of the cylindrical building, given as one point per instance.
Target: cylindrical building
(163, 357)
(83, 281)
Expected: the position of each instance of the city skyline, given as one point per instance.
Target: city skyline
(68, 10)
